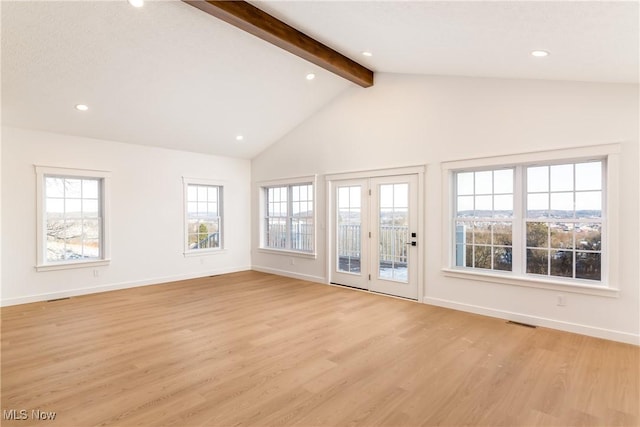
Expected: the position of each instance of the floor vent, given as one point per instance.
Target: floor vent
(526, 325)
(58, 299)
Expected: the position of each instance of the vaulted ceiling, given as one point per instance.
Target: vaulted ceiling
(169, 75)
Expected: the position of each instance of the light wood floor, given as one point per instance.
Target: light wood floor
(256, 349)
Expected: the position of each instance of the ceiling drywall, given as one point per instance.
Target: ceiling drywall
(169, 75)
(166, 75)
(587, 40)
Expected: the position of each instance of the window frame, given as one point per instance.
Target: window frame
(608, 153)
(187, 251)
(492, 219)
(103, 177)
(574, 220)
(263, 215)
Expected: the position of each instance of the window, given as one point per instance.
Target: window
(564, 220)
(71, 218)
(289, 217)
(203, 217)
(484, 219)
(534, 219)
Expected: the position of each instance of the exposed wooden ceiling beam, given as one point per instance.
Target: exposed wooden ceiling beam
(253, 20)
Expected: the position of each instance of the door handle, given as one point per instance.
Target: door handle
(412, 243)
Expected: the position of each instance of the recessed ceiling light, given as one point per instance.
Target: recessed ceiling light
(367, 53)
(136, 3)
(311, 76)
(81, 107)
(239, 137)
(539, 53)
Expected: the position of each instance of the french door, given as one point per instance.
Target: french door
(375, 234)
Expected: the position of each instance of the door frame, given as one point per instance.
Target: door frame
(420, 171)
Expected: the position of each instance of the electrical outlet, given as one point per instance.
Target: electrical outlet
(96, 273)
(292, 261)
(562, 301)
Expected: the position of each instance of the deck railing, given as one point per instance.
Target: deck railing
(392, 247)
(301, 236)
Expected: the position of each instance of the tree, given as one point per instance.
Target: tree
(537, 234)
(62, 231)
(203, 236)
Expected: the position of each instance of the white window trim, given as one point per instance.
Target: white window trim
(186, 181)
(310, 179)
(104, 176)
(288, 252)
(609, 286)
(578, 286)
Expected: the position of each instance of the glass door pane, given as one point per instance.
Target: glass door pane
(349, 226)
(393, 232)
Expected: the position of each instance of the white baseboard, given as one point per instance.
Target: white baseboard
(116, 286)
(307, 277)
(576, 328)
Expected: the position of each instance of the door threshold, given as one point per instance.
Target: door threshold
(395, 296)
(372, 292)
(348, 286)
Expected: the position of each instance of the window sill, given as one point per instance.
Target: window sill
(70, 265)
(555, 285)
(204, 252)
(285, 252)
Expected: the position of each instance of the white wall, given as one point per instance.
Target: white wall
(146, 214)
(412, 120)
